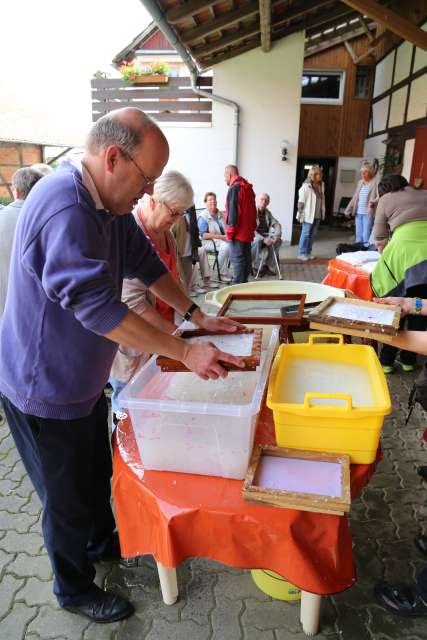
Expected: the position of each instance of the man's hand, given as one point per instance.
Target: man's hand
(205, 359)
(213, 323)
(407, 305)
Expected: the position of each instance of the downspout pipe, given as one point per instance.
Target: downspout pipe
(158, 17)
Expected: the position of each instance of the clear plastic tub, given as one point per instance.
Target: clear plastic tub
(183, 423)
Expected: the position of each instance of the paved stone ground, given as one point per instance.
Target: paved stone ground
(216, 602)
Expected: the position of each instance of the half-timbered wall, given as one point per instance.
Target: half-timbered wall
(399, 108)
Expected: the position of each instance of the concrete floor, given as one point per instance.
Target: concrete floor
(217, 602)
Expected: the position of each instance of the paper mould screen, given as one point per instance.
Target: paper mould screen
(254, 308)
(298, 475)
(238, 345)
(362, 314)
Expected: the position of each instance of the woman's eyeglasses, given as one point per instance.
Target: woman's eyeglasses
(174, 214)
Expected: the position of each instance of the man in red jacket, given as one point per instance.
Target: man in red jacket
(240, 217)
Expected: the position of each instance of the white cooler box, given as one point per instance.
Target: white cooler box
(183, 423)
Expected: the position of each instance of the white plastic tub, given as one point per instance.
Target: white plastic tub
(183, 423)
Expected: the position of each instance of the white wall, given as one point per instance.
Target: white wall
(267, 86)
(408, 154)
(346, 189)
(417, 107)
(374, 147)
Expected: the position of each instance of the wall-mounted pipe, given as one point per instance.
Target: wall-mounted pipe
(158, 17)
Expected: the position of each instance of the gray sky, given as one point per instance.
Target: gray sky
(49, 50)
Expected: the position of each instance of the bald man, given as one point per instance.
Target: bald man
(75, 242)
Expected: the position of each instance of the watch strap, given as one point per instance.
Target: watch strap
(191, 309)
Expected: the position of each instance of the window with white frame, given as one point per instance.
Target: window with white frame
(322, 86)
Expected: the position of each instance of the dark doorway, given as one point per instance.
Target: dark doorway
(329, 176)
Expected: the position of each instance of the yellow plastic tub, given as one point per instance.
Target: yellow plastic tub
(329, 397)
(274, 585)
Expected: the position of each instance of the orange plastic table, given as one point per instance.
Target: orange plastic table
(174, 516)
(345, 276)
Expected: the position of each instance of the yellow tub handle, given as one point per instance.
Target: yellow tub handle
(274, 372)
(346, 397)
(313, 337)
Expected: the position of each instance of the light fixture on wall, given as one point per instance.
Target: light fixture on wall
(284, 144)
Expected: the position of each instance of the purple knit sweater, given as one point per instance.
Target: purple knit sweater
(68, 263)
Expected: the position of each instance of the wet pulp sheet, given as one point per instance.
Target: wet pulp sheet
(298, 475)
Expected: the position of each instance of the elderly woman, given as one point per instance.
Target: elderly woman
(363, 203)
(172, 194)
(211, 225)
(402, 268)
(311, 210)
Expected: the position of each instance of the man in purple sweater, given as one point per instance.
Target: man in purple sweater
(75, 242)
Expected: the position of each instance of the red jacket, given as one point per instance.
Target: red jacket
(240, 211)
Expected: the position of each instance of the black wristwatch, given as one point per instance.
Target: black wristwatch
(191, 309)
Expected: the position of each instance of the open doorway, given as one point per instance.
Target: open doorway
(329, 166)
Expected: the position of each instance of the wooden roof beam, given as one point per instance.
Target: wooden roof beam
(326, 43)
(299, 11)
(175, 14)
(221, 43)
(223, 20)
(205, 64)
(328, 20)
(391, 21)
(365, 28)
(265, 24)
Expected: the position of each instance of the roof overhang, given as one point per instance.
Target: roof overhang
(213, 31)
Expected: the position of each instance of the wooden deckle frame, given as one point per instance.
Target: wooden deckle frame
(353, 325)
(251, 362)
(280, 319)
(298, 500)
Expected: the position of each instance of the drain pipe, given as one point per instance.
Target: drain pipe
(158, 17)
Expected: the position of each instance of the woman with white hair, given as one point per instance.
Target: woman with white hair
(172, 195)
(364, 202)
(311, 210)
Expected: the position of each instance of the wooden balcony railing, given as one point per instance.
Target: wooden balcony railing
(171, 102)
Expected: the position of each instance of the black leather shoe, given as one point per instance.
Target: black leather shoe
(421, 543)
(103, 607)
(402, 599)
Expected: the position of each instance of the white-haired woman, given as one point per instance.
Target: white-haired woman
(311, 210)
(172, 195)
(364, 202)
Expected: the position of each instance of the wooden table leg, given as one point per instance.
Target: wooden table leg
(168, 584)
(310, 612)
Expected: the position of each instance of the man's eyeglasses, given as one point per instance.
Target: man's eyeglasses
(148, 181)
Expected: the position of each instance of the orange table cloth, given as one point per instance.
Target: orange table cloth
(174, 516)
(345, 276)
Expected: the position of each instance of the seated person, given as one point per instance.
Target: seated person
(191, 252)
(172, 194)
(268, 237)
(211, 225)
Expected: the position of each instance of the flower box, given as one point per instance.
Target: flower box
(150, 79)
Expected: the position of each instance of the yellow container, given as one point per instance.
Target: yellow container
(274, 585)
(329, 397)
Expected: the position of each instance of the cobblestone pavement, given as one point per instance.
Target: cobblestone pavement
(217, 602)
